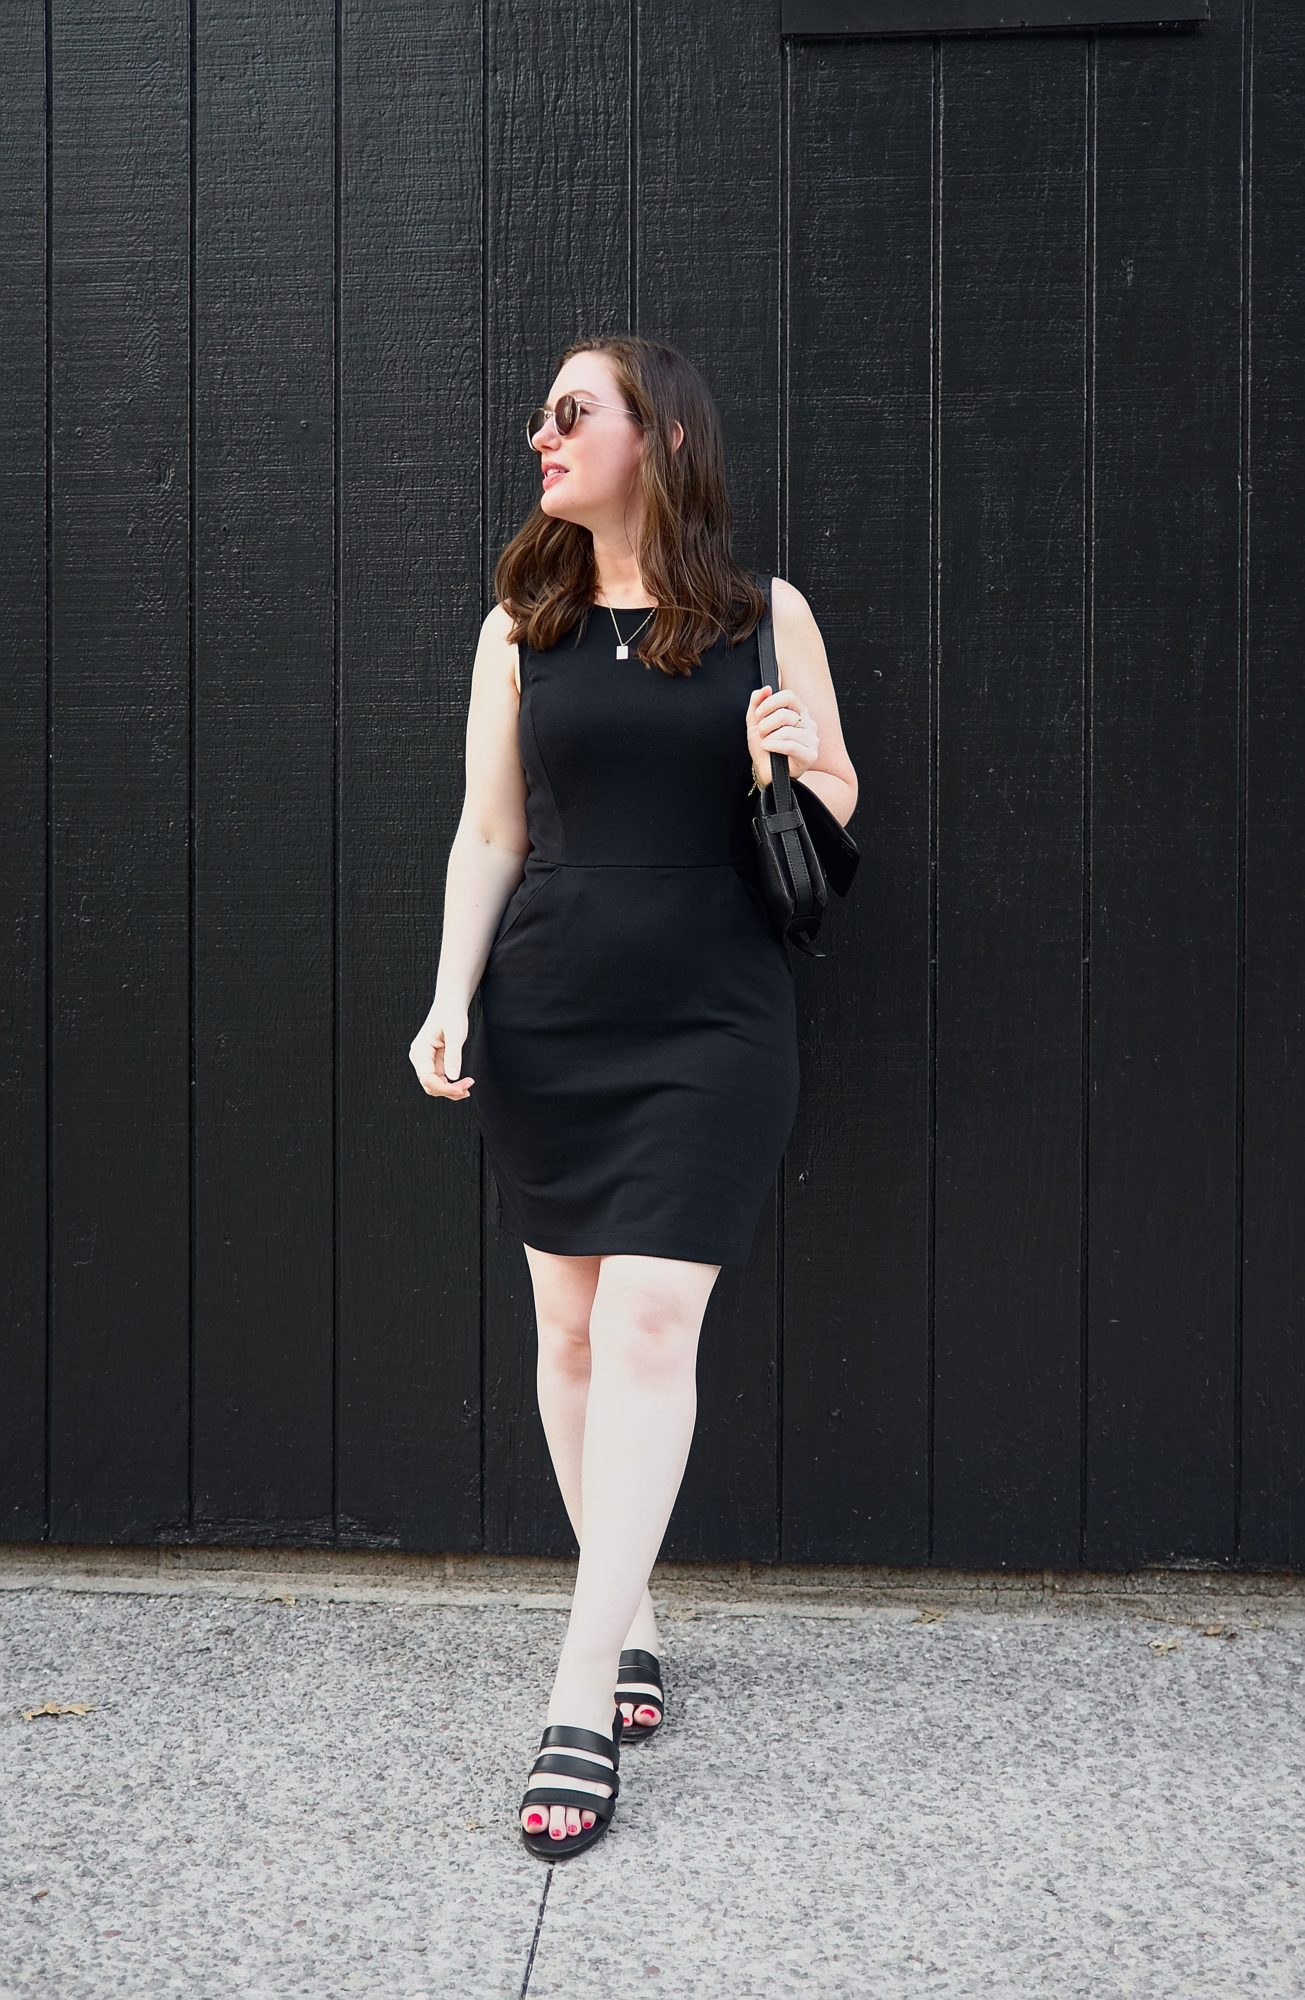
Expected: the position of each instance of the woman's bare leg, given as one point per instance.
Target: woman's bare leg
(644, 1322)
(564, 1289)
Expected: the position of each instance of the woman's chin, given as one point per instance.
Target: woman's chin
(559, 513)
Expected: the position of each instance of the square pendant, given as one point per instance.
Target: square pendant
(623, 652)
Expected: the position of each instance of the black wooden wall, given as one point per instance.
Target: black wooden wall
(1007, 335)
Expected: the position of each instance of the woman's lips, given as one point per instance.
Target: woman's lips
(553, 474)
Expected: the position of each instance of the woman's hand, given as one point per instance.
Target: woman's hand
(436, 1052)
(777, 721)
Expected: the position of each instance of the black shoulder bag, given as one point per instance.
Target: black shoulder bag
(802, 849)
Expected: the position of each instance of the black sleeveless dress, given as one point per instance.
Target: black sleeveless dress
(634, 1034)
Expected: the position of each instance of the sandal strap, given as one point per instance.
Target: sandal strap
(647, 1664)
(575, 1738)
(573, 1767)
(554, 1795)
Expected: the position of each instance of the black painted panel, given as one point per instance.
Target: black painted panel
(1164, 798)
(1271, 1359)
(707, 166)
(1006, 338)
(119, 965)
(262, 1390)
(859, 418)
(1010, 840)
(24, 729)
(977, 17)
(410, 368)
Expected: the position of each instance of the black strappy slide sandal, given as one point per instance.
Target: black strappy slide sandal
(564, 1736)
(635, 1668)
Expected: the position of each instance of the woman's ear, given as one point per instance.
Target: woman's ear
(678, 439)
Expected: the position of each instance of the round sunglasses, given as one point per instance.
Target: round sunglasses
(568, 413)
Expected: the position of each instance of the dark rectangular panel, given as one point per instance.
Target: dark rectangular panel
(857, 417)
(263, 799)
(1273, 1269)
(120, 1049)
(977, 17)
(704, 207)
(1009, 1111)
(23, 751)
(411, 413)
(1162, 1225)
(557, 259)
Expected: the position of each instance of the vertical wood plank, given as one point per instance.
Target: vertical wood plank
(556, 248)
(263, 761)
(23, 752)
(1162, 1200)
(1009, 852)
(1273, 1354)
(411, 361)
(704, 203)
(858, 431)
(120, 800)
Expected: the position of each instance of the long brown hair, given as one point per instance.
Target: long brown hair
(546, 577)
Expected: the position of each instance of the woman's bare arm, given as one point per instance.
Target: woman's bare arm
(804, 669)
(488, 854)
(486, 859)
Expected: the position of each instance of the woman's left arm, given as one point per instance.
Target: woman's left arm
(813, 744)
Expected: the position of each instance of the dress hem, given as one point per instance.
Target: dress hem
(583, 1244)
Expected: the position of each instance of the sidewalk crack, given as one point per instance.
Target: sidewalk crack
(534, 1942)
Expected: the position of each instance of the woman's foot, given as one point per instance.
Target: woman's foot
(568, 1753)
(581, 1696)
(642, 1633)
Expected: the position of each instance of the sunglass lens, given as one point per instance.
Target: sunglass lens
(564, 416)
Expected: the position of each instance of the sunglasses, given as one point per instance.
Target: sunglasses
(568, 413)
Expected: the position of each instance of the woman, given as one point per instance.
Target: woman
(634, 1059)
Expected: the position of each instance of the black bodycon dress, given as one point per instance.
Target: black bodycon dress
(633, 1038)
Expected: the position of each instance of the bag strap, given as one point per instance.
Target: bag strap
(784, 819)
(780, 783)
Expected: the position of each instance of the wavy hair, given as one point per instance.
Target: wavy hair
(546, 577)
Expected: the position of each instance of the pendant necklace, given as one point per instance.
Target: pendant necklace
(623, 645)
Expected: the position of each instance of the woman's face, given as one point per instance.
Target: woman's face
(598, 459)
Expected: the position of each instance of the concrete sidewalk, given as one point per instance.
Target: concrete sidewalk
(300, 1787)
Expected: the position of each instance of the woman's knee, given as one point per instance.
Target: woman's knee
(564, 1342)
(651, 1325)
(564, 1290)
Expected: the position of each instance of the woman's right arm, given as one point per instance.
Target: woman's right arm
(486, 861)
